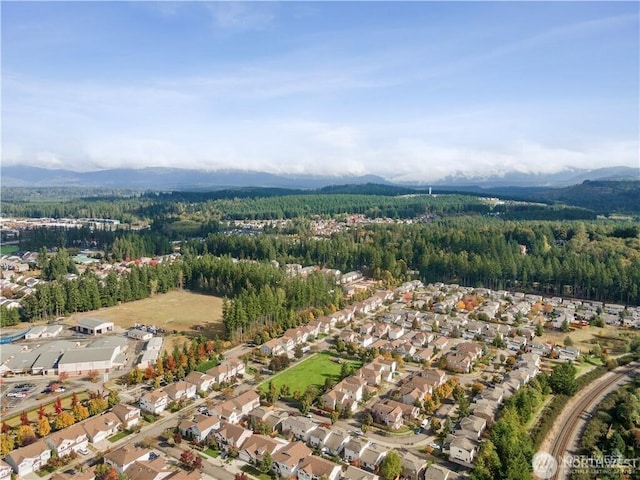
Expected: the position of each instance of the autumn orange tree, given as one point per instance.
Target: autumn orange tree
(26, 435)
(64, 420)
(44, 428)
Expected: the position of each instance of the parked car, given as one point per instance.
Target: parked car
(83, 451)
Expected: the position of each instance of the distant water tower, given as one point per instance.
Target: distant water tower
(429, 191)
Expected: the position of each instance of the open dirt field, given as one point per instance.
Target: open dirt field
(581, 337)
(177, 310)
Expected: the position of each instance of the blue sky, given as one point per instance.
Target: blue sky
(410, 91)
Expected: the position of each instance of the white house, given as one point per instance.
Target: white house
(154, 402)
(125, 456)
(5, 470)
(462, 449)
(101, 427)
(180, 390)
(287, 460)
(68, 439)
(127, 414)
(200, 427)
(30, 458)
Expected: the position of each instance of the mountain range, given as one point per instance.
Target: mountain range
(161, 178)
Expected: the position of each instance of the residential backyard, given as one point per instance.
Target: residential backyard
(311, 371)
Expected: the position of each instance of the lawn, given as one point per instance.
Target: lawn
(8, 249)
(203, 367)
(118, 436)
(311, 371)
(255, 472)
(212, 453)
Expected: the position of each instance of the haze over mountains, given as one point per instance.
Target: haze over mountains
(177, 178)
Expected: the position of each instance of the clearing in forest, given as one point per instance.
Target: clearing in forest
(178, 310)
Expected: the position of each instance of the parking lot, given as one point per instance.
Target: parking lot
(21, 390)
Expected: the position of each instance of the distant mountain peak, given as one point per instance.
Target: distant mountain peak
(164, 178)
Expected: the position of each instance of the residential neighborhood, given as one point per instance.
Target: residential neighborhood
(423, 343)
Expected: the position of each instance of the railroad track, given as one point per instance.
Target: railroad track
(585, 405)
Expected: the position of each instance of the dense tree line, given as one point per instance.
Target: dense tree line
(9, 316)
(63, 297)
(117, 244)
(507, 453)
(264, 301)
(614, 432)
(589, 260)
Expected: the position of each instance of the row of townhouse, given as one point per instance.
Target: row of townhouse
(421, 384)
(295, 458)
(464, 357)
(464, 442)
(351, 390)
(157, 401)
(32, 457)
(286, 343)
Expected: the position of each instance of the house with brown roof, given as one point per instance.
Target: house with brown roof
(247, 401)
(122, 458)
(227, 411)
(409, 412)
(155, 469)
(485, 409)
(200, 427)
(273, 347)
(128, 415)
(471, 349)
(458, 363)
(388, 415)
(314, 468)
(287, 460)
(256, 446)
(101, 427)
(86, 474)
(230, 436)
(440, 343)
(202, 381)
(154, 402)
(180, 391)
(29, 458)
(354, 473)
(68, 439)
(272, 418)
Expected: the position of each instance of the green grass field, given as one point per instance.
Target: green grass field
(312, 371)
(8, 249)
